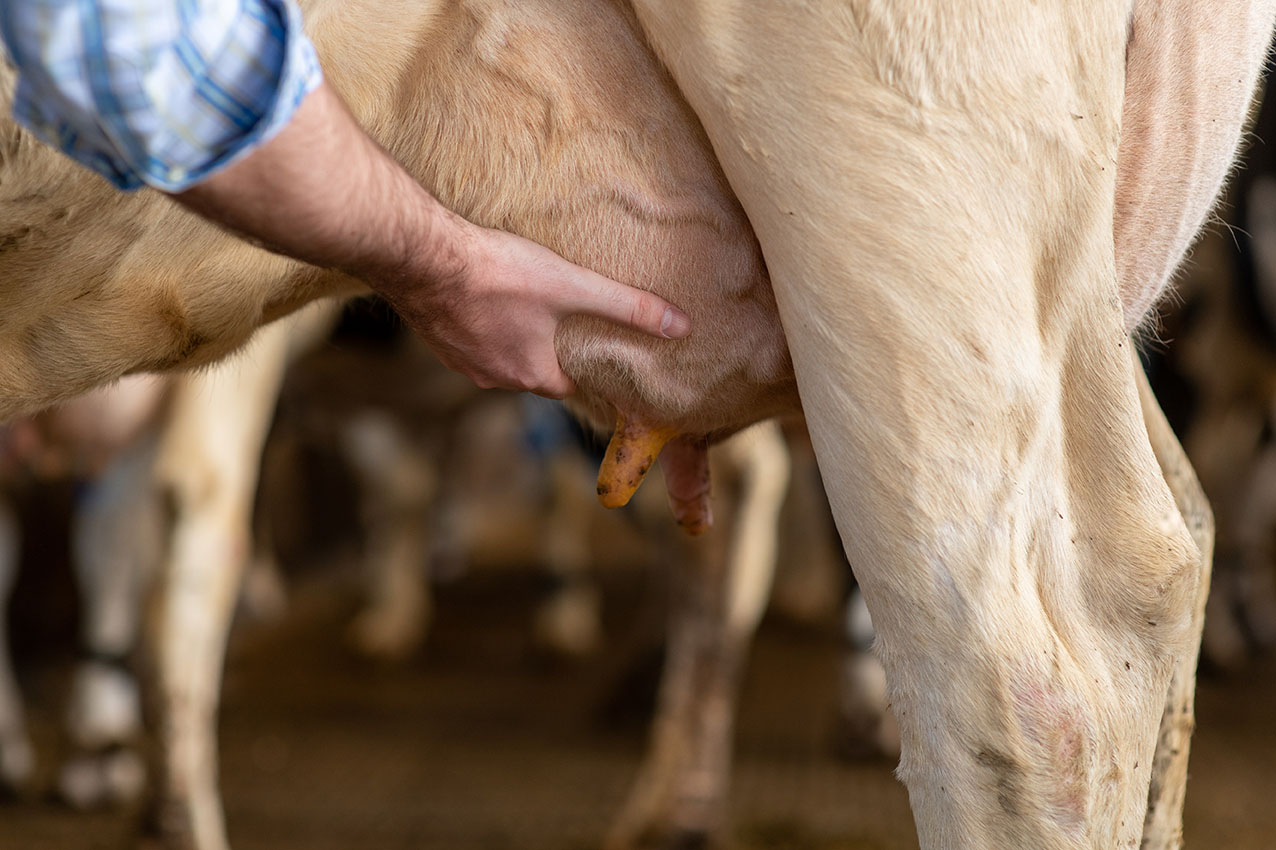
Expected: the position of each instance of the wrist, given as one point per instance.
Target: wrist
(432, 246)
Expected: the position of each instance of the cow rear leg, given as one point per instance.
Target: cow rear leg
(679, 799)
(939, 237)
(1163, 824)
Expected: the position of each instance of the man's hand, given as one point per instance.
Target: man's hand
(495, 322)
(487, 303)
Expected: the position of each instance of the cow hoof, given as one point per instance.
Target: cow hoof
(114, 777)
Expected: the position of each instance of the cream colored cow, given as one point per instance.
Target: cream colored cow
(934, 188)
(934, 185)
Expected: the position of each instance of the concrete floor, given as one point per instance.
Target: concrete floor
(478, 744)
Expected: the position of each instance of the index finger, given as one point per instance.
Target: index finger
(626, 305)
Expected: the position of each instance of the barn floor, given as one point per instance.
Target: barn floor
(478, 744)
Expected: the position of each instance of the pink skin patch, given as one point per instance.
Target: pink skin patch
(1053, 720)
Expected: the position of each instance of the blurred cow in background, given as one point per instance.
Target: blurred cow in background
(401, 435)
(415, 439)
(107, 441)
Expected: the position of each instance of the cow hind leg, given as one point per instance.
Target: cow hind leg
(1163, 824)
(679, 799)
(939, 236)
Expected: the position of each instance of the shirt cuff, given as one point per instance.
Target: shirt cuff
(214, 95)
(299, 75)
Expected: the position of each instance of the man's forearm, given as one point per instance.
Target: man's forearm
(487, 303)
(323, 192)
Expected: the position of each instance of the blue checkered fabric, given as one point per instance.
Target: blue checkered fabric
(157, 92)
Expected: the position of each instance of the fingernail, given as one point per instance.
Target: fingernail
(675, 324)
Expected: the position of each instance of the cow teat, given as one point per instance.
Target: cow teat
(635, 446)
(631, 452)
(685, 462)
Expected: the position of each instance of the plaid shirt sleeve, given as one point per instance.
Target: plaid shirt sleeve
(157, 92)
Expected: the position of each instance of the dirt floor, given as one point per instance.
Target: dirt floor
(479, 744)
